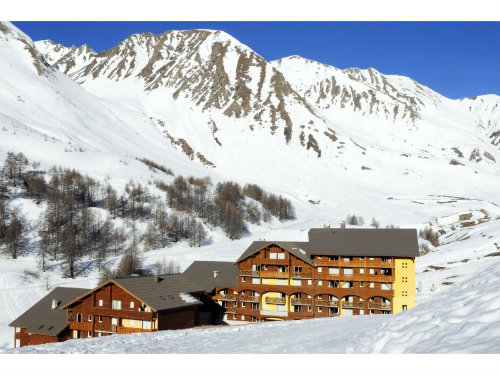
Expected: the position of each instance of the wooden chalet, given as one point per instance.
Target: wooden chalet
(127, 305)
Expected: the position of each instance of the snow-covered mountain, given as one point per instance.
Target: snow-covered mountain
(335, 142)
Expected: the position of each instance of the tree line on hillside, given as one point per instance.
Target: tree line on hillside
(84, 218)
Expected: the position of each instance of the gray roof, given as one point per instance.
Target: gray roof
(299, 249)
(163, 294)
(41, 319)
(354, 241)
(202, 272)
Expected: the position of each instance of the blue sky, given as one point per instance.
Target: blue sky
(456, 59)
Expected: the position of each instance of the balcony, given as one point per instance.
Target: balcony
(301, 301)
(301, 275)
(325, 302)
(324, 315)
(274, 274)
(352, 305)
(226, 297)
(276, 300)
(249, 273)
(230, 310)
(81, 326)
(244, 298)
(121, 329)
(270, 261)
(101, 327)
(379, 306)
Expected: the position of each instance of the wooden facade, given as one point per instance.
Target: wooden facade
(274, 284)
(110, 309)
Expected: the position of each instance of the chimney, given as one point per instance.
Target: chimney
(216, 273)
(342, 225)
(54, 304)
(157, 278)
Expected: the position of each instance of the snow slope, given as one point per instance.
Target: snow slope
(344, 156)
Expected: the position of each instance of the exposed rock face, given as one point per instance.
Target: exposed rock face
(210, 68)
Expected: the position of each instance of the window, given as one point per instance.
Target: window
(320, 309)
(296, 282)
(243, 317)
(361, 271)
(146, 324)
(347, 271)
(132, 304)
(361, 258)
(100, 302)
(89, 334)
(116, 304)
(333, 270)
(333, 284)
(347, 259)
(281, 281)
(281, 255)
(99, 334)
(243, 279)
(372, 271)
(255, 267)
(100, 319)
(405, 307)
(297, 269)
(131, 321)
(372, 258)
(320, 269)
(255, 280)
(78, 317)
(361, 284)
(90, 318)
(319, 257)
(243, 304)
(78, 334)
(309, 308)
(309, 282)
(114, 321)
(372, 285)
(254, 319)
(273, 256)
(320, 282)
(333, 258)
(281, 269)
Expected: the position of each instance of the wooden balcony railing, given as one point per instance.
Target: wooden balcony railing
(274, 274)
(244, 298)
(379, 306)
(121, 329)
(354, 263)
(226, 297)
(249, 273)
(301, 301)
(231, 309)
(325, 302)
(283, 262)
(324, 315)
(105, 327)
(276, 300)
(301, 275)
(352, 305)
(81, 326)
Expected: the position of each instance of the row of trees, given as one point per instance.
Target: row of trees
(85, 219)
